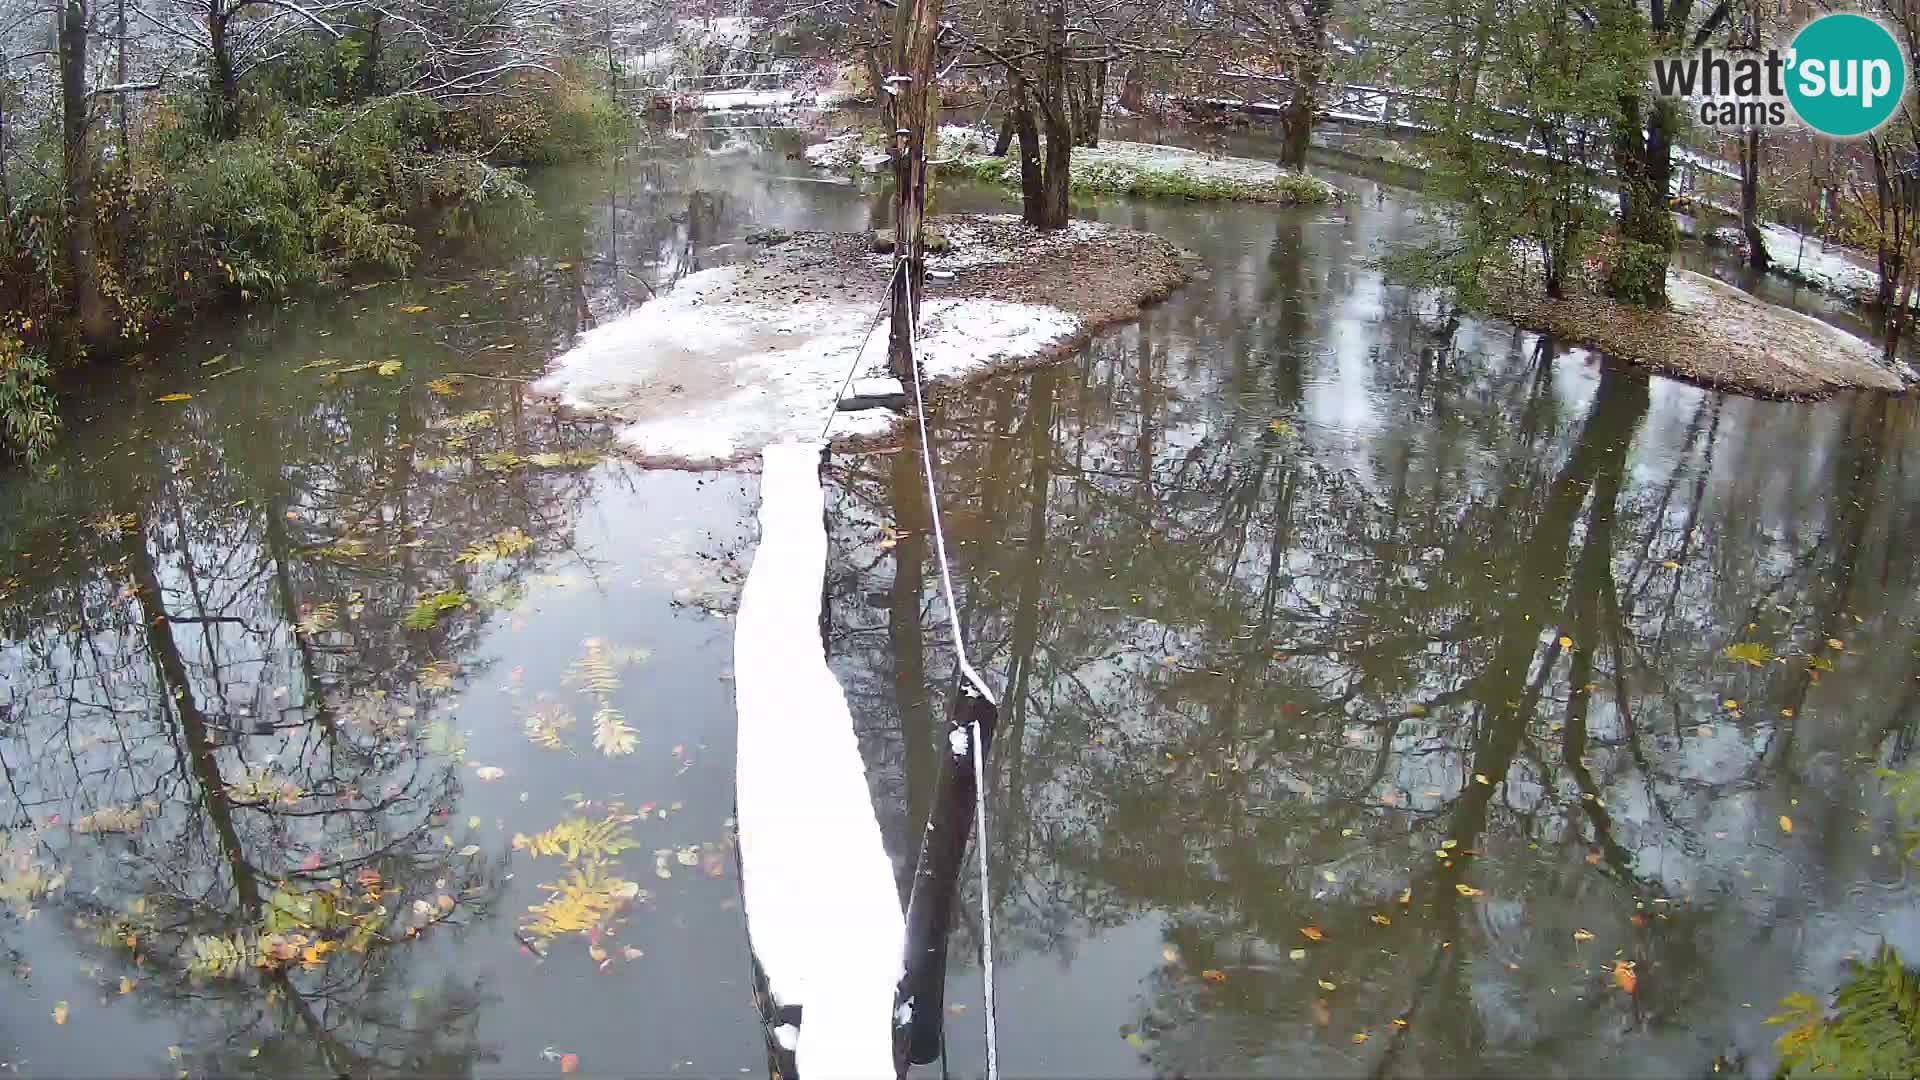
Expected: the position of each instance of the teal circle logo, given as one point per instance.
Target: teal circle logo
(1846, 75)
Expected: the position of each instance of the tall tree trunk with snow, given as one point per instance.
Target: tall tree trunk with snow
(1750, 199)
(83, 277)
(915, 34)
(1030, 161)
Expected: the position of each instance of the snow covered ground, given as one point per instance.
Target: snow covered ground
(726, 364)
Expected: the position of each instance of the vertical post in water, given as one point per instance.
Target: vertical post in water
(916, 29)
(920, 1005)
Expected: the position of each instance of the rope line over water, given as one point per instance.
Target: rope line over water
(974, 683)
(979, 685)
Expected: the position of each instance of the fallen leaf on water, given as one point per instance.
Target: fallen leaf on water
(1134, 1039)
(1400, 1023)
(390, 367)
(1383, 920)
(470, 850)
(1327, 986)
(1467, 890)
(630, 953)
(489, 772)
(1449, 845)
(1623, 976)
(569, 1063)
(1329, 875)
(413, 309)
(1406, 895)
(1481, 778)
(444, 901)
(597, 953)
(1214, 975)
(60, 1013)
(1835, 643)
(1311, 933)
(126, 984)
(1297, 954)
(174, 397)
(1786, 824)
(1583, 935)
(1566, 642)
(1671, 565)
(1359, 1036)
(421, 907)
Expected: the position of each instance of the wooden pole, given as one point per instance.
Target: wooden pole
(920, 1005)
(909, 90)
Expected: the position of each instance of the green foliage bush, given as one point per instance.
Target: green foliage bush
(28, 417)
(1637, 273)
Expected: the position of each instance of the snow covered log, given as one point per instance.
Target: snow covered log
(823, 914)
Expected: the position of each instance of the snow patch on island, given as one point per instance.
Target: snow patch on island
(822, 912)
(725, 365)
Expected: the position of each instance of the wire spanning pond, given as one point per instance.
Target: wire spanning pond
(1386, 692)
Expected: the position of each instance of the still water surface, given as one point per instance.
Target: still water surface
(1362, 664)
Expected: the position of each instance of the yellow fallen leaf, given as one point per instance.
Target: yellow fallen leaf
(1297, 954)
(1623, 976)
(1383, 920)
(444, 901)
(1327, 986)
(1583, 935)
(60, 1013)
(597, 953)
(489, 772)
(389, 367)
(174, 397)
(1835, 643)
(1467, 890)
(1400, 1023)
(413, 309)
(630, 953)
(126, 984)
(1481, 778)
(1786, 824)
(1214, 975)
(1406, 895)
(1329, 875)
(1311, 933)
(1566, 642)
(1671, 565)
(1359, 1036)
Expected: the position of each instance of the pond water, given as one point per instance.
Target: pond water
(1362, 664)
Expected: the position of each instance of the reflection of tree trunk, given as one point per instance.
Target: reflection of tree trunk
(1618, 408)
(905, 635)
(1853, 500)
(1026, 613)
(177, 687)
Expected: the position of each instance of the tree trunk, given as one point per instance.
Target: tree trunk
(916, 28)
(120, 76)
(1750, 199)
(1643, 163)
(1030, 171)
(1054, 195)
(1296, 122)
(223, 88)
(1133, 88)
(1087, 97)
(371, 85)
(77, 163)
(1005, 140)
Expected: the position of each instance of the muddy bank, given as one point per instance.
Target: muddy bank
(1713, 335)
(740, 356)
